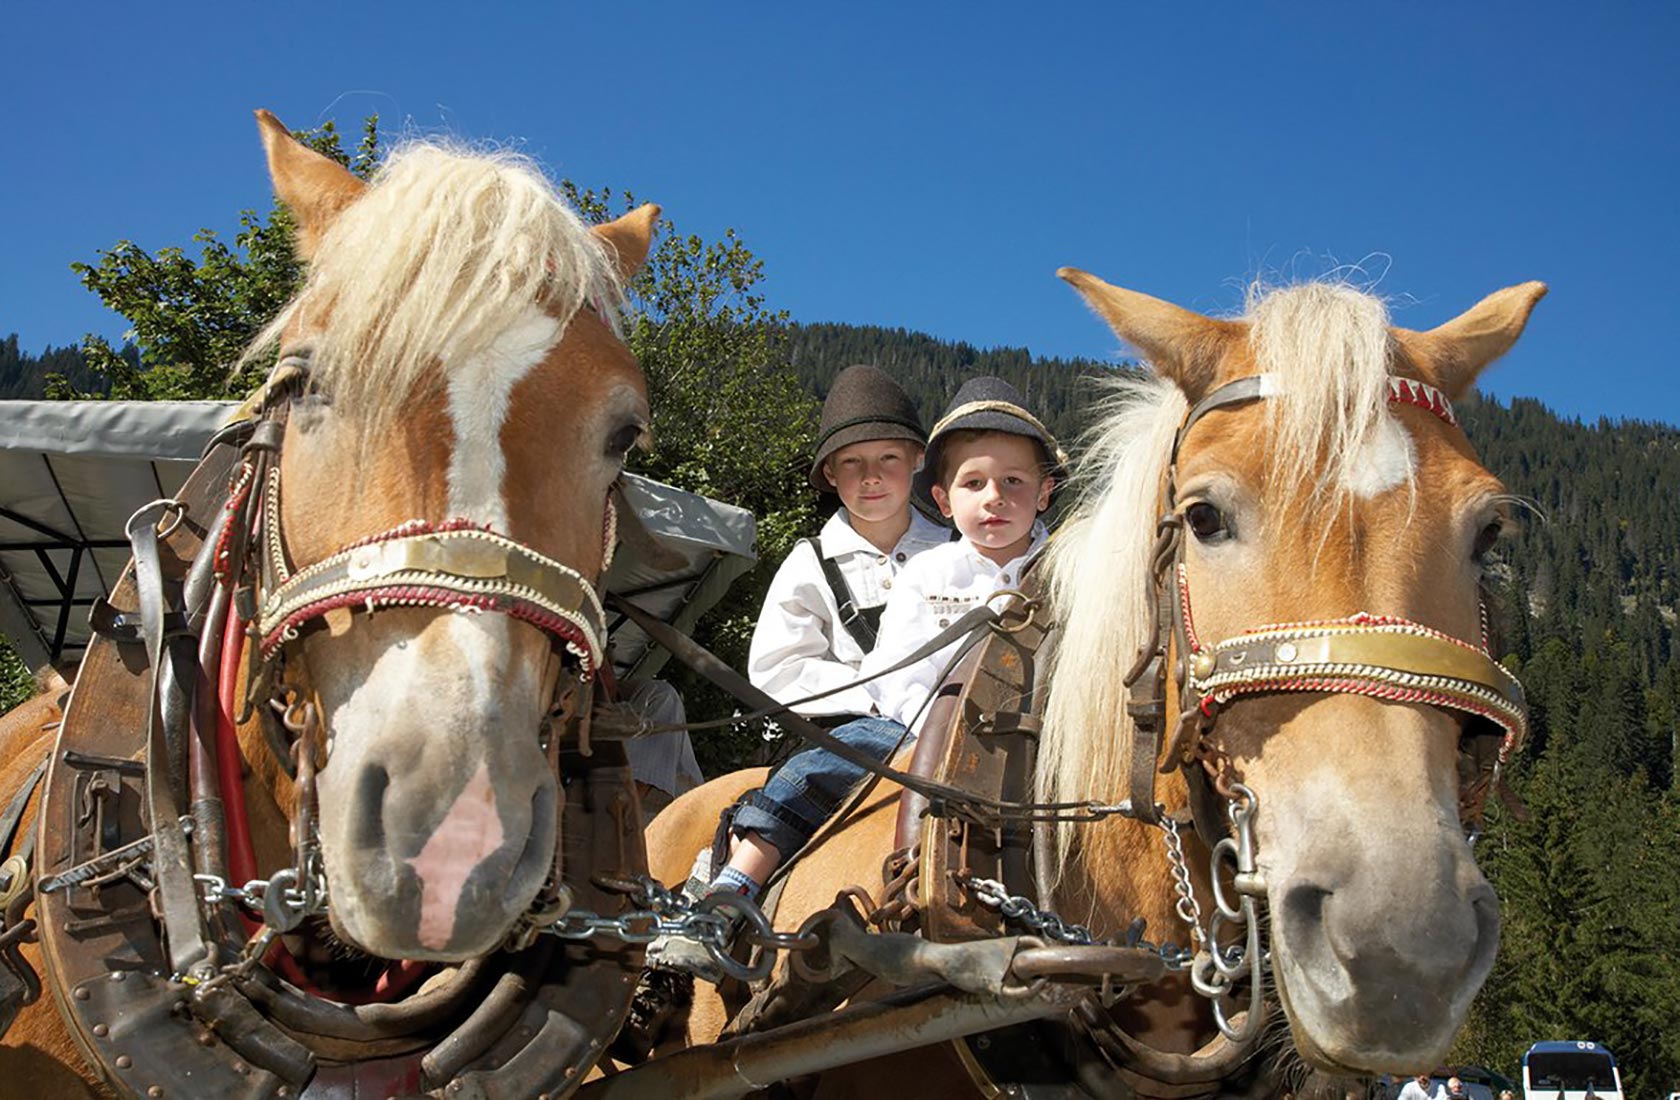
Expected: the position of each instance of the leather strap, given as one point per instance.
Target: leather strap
(12, 815)
(862, 623)
(175, 898)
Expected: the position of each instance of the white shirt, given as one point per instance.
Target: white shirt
(1413, 1091)
(799, 647)
(933, 591)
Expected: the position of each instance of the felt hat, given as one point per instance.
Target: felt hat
(987, 404)
(864, 404)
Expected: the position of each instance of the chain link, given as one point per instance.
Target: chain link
(715, 922)
(1047, 923)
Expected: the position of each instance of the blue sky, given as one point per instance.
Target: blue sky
(931, 166)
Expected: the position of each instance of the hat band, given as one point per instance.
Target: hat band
(856, 420)
(1009, 408)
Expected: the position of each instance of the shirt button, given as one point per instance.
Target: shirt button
(880, 559)
(901, 556)
(944, 622)
(887, 583)
(1004, 578)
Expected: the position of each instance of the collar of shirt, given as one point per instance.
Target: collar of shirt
(983, 564)
(840, 537)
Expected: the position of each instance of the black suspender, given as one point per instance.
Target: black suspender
(862, 623)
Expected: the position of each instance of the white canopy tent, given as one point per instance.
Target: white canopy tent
(72, 472)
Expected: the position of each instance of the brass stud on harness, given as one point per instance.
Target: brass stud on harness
(1203, 664)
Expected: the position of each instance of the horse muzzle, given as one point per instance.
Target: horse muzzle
(414, 876)
(1377, 971)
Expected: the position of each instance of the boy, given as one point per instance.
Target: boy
(991, 467)
(824, 605)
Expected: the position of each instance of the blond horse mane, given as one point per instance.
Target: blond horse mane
(1326, 345)
(442, 254)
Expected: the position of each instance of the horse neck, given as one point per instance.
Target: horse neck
(1124, 873)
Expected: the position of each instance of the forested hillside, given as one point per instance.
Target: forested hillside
(24, 376)
(1586, 591)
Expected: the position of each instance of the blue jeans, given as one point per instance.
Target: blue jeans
(804, 792)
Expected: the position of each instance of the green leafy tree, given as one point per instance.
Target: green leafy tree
(730, 420)
(16, 683)
(192, 318)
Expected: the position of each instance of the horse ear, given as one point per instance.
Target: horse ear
(1182, 345)
(1456, 352)
(313, 187)
(629, 237)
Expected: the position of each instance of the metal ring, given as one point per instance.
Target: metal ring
(740, 907)
(1028, 605)
(179, 509)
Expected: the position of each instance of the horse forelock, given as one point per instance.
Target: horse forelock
(1328, 350)
(445, 253)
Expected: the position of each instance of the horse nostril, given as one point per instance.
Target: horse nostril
(369, 824)
(537, 856)
(1302, 912)
(1486, 908)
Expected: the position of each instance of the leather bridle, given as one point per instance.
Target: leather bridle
(455, 563)
(1378, 656)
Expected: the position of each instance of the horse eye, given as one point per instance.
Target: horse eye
(622, 440)
(1485, 540)
(1206, 522)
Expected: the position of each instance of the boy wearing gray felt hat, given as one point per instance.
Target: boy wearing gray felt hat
(821, 614)
(984, 404)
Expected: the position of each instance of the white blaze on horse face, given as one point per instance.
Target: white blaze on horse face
(1389, 459)
(470, 832)
(479, 391)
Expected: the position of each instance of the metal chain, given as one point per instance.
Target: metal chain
(1186, 907)
(1216, 970)
(283, 894)
(1047, 923)
(1014, 907)
(715, 922)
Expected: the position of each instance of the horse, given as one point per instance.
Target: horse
(452, 406)
(1282, 483)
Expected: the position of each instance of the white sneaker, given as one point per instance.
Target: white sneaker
(685, 955)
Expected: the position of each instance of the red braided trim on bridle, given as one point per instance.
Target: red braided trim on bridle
(426, 596)
(1394, 693)
(415, 527)
(1190, 637)
(237, 496)
(1409, 391)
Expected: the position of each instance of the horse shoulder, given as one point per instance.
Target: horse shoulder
(690, 822)
(37, 1056)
